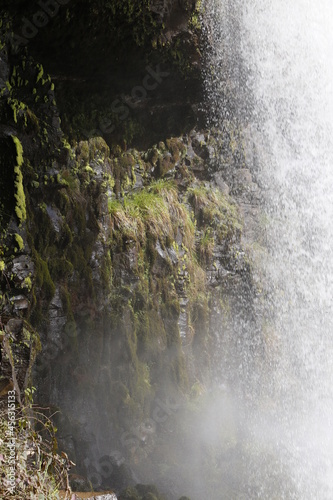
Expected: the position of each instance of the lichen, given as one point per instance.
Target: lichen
(40, 72)
(27, 283)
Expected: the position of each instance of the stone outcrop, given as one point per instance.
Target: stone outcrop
(123, 252)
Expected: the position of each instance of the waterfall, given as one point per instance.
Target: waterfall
(274, 58)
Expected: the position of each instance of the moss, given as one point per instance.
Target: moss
(27, 283)
(79, 261)
(213, 208)
(82, 153)
(60, 268)
(43, 278)
(164, 165)
(43, 231)
(20, 208)
(129, 494)
(88, 169)
(40, 72)
(179, 214)
(67, 306)
(63, 200)
(206, 245)
(106, 271)
(194, 22)
(153, 214)
(17, 107)
(144, 213)
(61, 181)
(155, 302)
(19, 242)
(141, 492)
(66, 237)
(170, 307)
(97, 145)
(67, 178)
(176, 147)
(32, 122)
(66, 145)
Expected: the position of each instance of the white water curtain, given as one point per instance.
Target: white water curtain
(286, 49)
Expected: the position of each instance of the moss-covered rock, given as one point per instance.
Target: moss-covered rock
(115, 242)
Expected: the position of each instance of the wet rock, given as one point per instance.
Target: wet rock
(244, 188)
(14, 326)
(221, 184)
(216, 273)
(6, 131)
(183, 319)
(252, 231)
(23, 267)
(55, 218)
(159, 250)
(57, 318)
(173, 255)
(4, 70)
(107, 496)
(244, 176)
(79, 483)
(96, 259)
(138, 182)
(20, 303)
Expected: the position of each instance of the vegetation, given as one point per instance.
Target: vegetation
(39, 471)
(140, 215)
(20, 208)
(212, 208)
(155, 212)
(206, 245)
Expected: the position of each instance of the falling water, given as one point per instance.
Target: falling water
(275, 58)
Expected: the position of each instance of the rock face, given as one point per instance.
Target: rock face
(107, 496)
(122, 240)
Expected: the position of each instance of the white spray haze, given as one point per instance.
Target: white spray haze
(286, 52)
